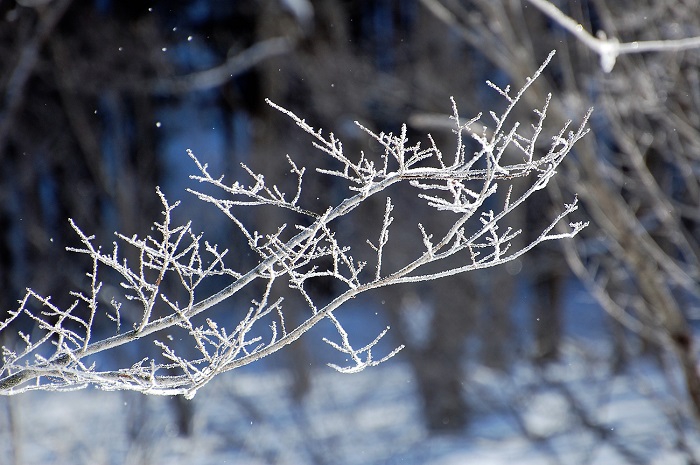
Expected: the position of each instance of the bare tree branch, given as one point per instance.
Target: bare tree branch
(58, 356)
(610, 49)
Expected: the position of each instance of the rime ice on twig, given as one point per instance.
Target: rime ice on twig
(175, 257)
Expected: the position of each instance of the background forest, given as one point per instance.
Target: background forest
(101, 99)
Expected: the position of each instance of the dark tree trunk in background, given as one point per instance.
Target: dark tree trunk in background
(439, 365)
(436, 347)
(548, 317)
(497, 335)
(184, 415)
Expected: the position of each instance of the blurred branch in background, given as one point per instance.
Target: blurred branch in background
(220, 75)
(610, 48)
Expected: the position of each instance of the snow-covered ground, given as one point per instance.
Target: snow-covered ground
(574, 412)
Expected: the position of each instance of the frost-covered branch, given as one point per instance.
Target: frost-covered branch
(159, 297)
(610, 48)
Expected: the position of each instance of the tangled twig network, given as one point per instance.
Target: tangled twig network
(62, 351)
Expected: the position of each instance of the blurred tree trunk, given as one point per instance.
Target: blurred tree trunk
(548, 287)
(497, 337)
(439, 365)
(434, 327)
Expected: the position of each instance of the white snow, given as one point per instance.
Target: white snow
(248, 417)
